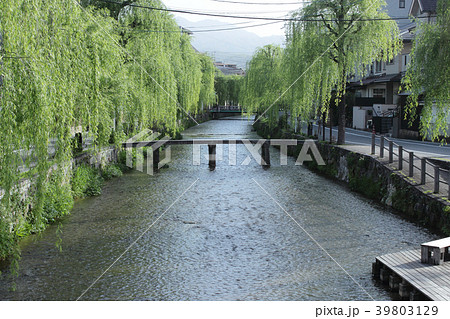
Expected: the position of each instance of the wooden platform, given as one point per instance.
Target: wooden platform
(433, 281)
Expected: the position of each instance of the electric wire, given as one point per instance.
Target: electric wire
(206, 30)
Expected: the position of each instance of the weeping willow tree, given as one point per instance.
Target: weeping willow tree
(207, 92)
(332, 41)
(64, 67)
(59, 71)
(114, 7)
(428, 76)
(151, 68)
(228, 88)
(190, 79)
(169, 73)
(263, 83)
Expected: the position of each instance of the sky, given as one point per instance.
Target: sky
(253, 8)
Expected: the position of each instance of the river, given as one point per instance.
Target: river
(236, 233)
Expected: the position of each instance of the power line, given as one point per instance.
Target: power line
(230, 25)
(199, 13)
(218, 25)
(234, 12)
(206, 30)
(256, 18)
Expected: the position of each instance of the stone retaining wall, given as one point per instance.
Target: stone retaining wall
(365, 175)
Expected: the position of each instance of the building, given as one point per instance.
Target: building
(424, 9)
(377, 99)
(229, 69)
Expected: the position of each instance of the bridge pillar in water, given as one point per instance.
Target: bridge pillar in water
(265, 155)
(155, 159)
(404, 289)
(212, 157)
(394, 282)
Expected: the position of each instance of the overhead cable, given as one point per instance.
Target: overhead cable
(258, 18)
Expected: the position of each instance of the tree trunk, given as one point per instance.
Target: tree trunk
(341, 121)
(331, 124)
(324, 124)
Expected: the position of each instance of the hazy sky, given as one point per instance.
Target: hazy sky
(257, 9)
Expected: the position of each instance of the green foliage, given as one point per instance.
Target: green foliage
(428, 76)
(95, 67)
(343, 39)
(86, 182)
(13, 225)
(366, 186)
(207, 90)
(264, 83)
(227, 88)
(58, 199)
(7, 240)
(111, 171)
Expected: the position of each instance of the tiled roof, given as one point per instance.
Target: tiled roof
(428, 5)
(405, 32)
(382, 78)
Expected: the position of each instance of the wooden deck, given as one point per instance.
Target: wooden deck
(431, 281)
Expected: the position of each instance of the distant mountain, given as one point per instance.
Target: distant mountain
(233, 46)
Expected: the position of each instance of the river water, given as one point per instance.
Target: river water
(225, 238)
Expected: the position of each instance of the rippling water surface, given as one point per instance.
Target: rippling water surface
(224, 239)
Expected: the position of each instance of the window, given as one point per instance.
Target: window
(406, 59)
(378, 66)
(378, 92)
(391, 61)
(401, 4)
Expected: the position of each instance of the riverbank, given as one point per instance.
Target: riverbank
(83, 177)
(366, 175)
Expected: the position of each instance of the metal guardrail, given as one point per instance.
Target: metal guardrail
(426, 167)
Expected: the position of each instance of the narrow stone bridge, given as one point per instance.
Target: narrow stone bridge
(252, 144)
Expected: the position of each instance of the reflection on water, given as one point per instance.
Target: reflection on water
(225, 239)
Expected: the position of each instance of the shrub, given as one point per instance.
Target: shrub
(111, 171)
(58, 199)
(7, 239)
(86, 182)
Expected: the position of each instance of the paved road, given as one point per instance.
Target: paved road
(357, 137)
